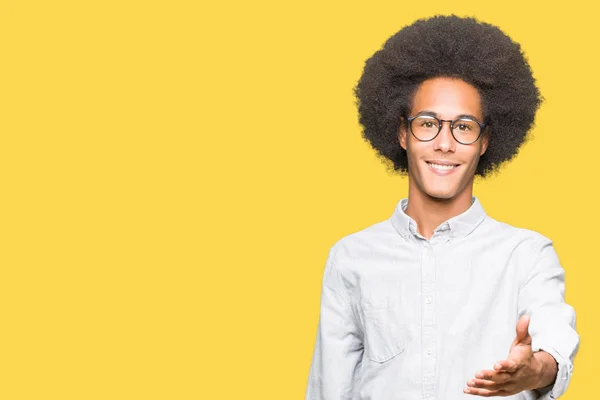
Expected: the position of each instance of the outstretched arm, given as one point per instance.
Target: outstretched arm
(552, 326)
(541, 357)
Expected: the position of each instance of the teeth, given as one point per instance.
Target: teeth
(442, 167)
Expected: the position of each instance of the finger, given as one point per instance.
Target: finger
(494, 376)
(523, 330)
(483, 392)
(490, 385)
(483, 384)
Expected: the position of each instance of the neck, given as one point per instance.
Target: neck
(430, 212)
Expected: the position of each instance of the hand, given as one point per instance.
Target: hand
(522, 370)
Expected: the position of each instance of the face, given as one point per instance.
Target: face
(447, 99)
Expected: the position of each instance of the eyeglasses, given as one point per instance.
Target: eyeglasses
(426, 127)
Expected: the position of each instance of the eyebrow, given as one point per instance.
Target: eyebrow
(434, 114)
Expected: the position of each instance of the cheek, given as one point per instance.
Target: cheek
(471, 156)
(416, 150)
(414, 161)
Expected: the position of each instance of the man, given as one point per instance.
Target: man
(441, 301)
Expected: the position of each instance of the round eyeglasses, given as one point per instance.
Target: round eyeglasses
(426, 127)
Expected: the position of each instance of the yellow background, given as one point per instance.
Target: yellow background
(174, 173)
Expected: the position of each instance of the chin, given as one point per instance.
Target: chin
(441, 194)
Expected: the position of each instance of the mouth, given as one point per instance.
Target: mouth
(442, 169)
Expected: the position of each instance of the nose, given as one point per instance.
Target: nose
(444, 141)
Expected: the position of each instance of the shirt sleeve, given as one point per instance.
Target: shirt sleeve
(338, 348)
(552, 323)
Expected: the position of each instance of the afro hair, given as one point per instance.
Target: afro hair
(448, 46)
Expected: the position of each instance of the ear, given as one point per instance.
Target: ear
(402, 134)
(485, 139)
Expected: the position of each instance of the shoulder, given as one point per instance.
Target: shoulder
(524, 247)
(527, 250)
(519, 236)
(348, 255)
(372, 239)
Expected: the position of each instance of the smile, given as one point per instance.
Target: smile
(442, 169)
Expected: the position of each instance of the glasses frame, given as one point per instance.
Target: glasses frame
(441, 125)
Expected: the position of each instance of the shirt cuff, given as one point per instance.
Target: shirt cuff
(563, 376)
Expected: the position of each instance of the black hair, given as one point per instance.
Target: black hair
(448, 46)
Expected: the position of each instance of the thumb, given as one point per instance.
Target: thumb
(523, 330)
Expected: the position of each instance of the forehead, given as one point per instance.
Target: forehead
(447, 97)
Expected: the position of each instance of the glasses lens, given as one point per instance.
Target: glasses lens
(466, 130)
(425, 127)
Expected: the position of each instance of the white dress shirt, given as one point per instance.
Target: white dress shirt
(403, 317)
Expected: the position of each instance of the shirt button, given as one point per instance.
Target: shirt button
(428, 351)
(428, 299)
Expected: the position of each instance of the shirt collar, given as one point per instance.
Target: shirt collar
(459, 226)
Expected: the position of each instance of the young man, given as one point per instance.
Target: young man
(441, 301)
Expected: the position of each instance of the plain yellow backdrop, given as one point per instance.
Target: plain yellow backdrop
(174, 173)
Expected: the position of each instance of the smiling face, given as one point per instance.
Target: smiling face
(443, 168)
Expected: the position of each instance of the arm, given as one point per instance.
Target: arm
(338, 347)
(552, 325)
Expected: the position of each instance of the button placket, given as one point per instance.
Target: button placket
(428, 334)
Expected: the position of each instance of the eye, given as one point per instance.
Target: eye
(465, 125)
(425, 122)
